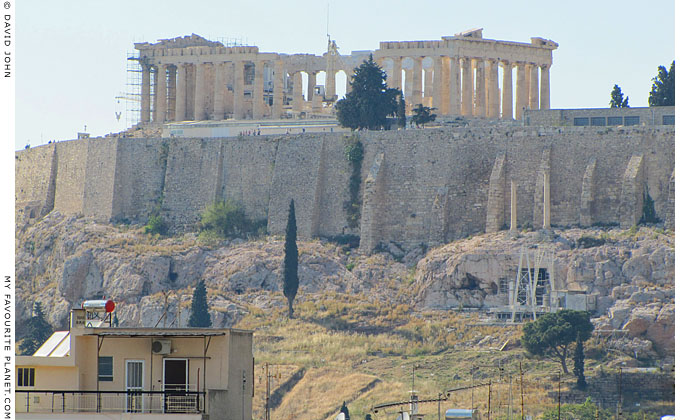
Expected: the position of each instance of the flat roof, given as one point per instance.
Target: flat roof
(160, 333)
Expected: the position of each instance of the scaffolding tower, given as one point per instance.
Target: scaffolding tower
(534, 288)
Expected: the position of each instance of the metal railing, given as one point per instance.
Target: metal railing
(34, 401)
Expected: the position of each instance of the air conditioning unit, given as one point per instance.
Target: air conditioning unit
(160, 347)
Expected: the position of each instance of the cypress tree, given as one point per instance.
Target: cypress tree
(579, 363)
(200, 316)
(344, 410)
(39, 330)
(402, 120)
(290, 279)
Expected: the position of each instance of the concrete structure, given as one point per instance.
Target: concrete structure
(419, 186)
(600, 117)
(193, 78)
(149, 373)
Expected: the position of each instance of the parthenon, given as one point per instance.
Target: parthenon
(192, 78)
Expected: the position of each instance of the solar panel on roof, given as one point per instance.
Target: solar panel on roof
(52, 343)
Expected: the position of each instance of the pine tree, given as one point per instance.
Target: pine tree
(579, 363)
(617, 100)
(370, 100)
(344, 410)
(39, 330)
(200, 317)
(663, 91)
(290, 279)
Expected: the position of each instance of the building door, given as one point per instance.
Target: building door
(175, 385)
(134, 384)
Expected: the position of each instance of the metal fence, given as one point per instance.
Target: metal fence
(110, 401)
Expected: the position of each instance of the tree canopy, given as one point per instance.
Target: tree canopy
(290, 279)
(344, 410)
(664, 87)
(617, 100)
(422, 115)
(552, 334)
(200, 317)
(39, 330)
(370, 100)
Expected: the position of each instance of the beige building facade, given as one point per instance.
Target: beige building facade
(191, 78)
(99, 373)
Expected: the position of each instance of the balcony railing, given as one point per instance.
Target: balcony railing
(110, 401)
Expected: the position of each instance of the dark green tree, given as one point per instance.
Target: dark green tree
(617, 100)
(579, 363)
(370, 101)
(400, 113)
(290, 279)
(552, 334)
(367, 417)
(343, 409)
(39, 330)
(422, 115)
(200, 317)
(648, 212)
(664, 87)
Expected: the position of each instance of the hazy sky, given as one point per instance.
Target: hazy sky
(71, 55)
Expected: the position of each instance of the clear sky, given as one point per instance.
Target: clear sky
(71, 55)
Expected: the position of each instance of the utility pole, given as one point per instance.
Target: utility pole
(510, 398)
(268, 389)
(472, 371)
(439, 405)
(619, 411)
(489, 409)
(522, 396)
(559, 395)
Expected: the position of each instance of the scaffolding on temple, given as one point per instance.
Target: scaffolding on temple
(132, 96)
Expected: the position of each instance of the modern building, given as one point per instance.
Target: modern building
(97, 372)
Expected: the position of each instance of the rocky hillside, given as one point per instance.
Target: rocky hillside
(62, 260)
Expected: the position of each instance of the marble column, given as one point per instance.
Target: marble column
(161, 92)
(513, 207)
(533, 86)
(145, 93)
(311, 85)
(522, 93)
(547, 201)
(438, 90)
(480, 92)
(297, 94)
(200, 93)
(181, 93)
(238, 91)
(258, 94)
(445, 82)
(330, 84)
(409, 90)
(219, 89)
(454, 86)
(396, 77)
(417, 81)
(428, 90)
(172, 93)
(544, 94)
(493, 99)
(507, 109)
(278, 77)
(467, 87)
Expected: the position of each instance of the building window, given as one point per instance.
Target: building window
(599, 121)
(669, 120)
(632, 120)
(615, 121)
(581, 121)
(26, 376)
(105, 368)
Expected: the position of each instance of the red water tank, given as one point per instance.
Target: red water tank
(98, 305)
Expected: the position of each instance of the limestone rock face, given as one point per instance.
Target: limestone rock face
(63, 260)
